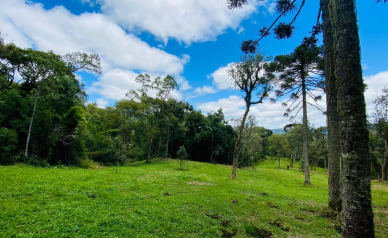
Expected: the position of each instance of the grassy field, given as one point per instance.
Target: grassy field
(158, 200)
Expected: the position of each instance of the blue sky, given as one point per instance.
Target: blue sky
(194, 40)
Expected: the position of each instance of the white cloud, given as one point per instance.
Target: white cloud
(183, 83)
(63, 32)
(79, 78)
(89, 2)
(232, 106)
(269, 115)
(115, 84)
(221, 78)
(204, 90)
(240, 30)
(30, 25)
(375, 84)
(102, 102)
(271, 8)
(186, 21)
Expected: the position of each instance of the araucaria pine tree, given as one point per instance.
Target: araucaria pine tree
(301, 77)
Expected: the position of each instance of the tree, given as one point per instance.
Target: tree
(278, 146)
(355, 160)
(182, 156)
(300, 75)
(154, 114)
(251, 142)
(253, 77)
(78, 61)
(381, 123)
(294, 135)
(334, 150)
(32, 65)
(345, 62)
(120, 150)
(319, 145)
(42, 73)
(213, 134)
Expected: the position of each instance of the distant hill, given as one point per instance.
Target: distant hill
(278, 131)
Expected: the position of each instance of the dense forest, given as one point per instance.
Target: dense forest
(45, 120)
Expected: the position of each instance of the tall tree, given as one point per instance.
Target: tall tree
(334, 150)
(381, 122)
(153, 111)
(253, 77)
(346, 65)
(300, 75)
(355, 161)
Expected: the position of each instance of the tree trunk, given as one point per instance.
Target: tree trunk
(354, 136)
(325, 166)
(29, 129)
(167, 141)
(305, 134)
(149, 149)
(279, 163)
(334, 150)
(237, 145)
(384, 164)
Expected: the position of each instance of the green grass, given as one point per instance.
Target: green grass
(158, 200)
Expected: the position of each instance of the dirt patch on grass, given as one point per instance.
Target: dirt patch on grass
(199, 183)
(381, 187)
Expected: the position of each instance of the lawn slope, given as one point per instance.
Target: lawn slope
(158, 200)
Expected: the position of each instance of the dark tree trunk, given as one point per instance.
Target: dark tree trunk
(167, 141)
(237, 145)
(334, 150)
(149, 148)
(354, 136)
(305, 134)
(384, 165)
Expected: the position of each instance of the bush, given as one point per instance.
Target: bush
(301, 165)
(182, 157)
(89, 164)
(36, 161)
(8, 143)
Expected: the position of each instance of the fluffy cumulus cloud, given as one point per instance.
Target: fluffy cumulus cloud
(269, 115)
(204, 90)
(221, 78)
(233, 106)
(114, 85)
(59, 30)
(102, 102)
(186, 21)
(375, 84)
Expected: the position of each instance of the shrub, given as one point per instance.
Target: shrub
(89, 164)
(182, 157)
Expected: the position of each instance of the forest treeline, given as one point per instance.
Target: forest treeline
(45, 120)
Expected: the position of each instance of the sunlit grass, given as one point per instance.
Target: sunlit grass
(158, 199)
